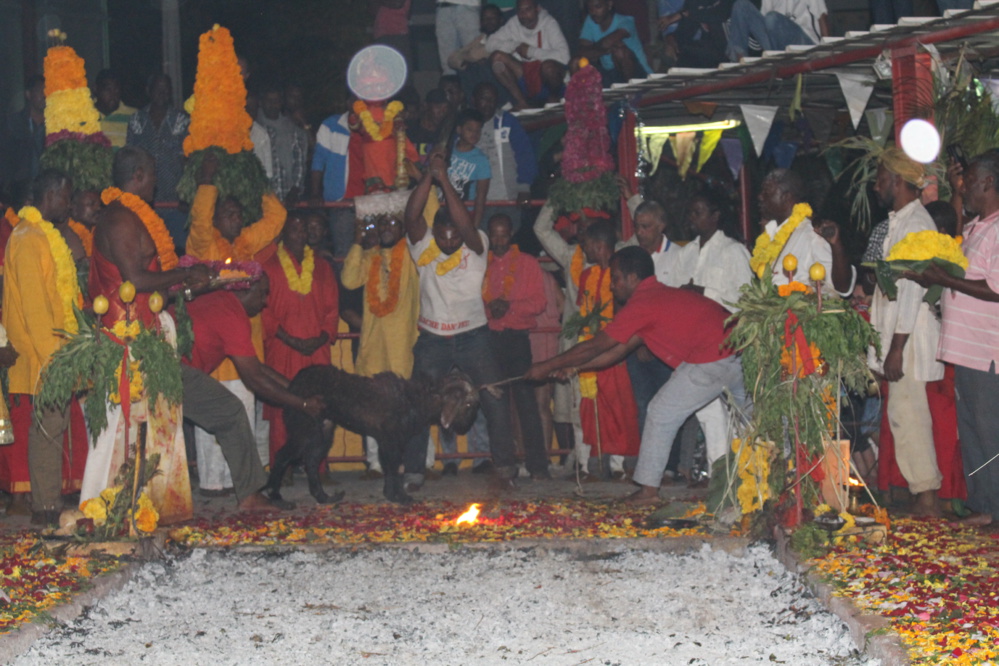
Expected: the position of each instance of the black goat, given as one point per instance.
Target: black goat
(387, 407)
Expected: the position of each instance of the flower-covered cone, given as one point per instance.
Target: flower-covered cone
(219, 116)
(74, 142)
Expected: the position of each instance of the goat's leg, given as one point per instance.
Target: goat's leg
(313, 459)
(390, 456)
(282, 460)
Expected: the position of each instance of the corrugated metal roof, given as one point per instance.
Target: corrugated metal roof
(771, 79)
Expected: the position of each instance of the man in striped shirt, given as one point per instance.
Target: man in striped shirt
(969, 336)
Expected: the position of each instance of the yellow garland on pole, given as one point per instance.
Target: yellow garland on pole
(767, 249)
(374, 130)
(298, 283)
(66, 284)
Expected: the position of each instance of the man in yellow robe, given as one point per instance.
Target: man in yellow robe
(218, 233)
(391, 293)
(39, 293)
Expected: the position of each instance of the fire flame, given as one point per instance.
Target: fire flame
(470, 517)
(856, 483)
(228, 260)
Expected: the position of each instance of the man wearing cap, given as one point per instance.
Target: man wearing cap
(909, 336)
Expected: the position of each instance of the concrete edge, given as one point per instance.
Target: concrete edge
(872, 634)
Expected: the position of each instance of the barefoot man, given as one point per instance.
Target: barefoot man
(683, 329)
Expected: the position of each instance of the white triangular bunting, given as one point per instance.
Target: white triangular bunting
(879, 121)
(857, 89)
(758, 121)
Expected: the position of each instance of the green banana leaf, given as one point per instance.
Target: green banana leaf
(889, 272)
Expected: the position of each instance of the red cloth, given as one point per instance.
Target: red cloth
(943, 410)
(221, 329)
(389, 21)
(677, 325)
(527, 294)
(105, 278)
(532, 78)
(301, 316)
(616, 411)
(14, 474)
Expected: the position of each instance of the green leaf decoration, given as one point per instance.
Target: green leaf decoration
(600, 193)
(89, 164)
(240, 176)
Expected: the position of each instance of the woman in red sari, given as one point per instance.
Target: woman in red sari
(300, 320)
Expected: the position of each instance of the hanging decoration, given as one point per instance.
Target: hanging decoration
(758, 121)
(857, 89)
(709, 141)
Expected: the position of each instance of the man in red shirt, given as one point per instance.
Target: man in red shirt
(221, 323)
(683, 329)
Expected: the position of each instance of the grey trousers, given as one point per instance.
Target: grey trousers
(45, 458)
(213, 408)
(978, 428)
(691, 387)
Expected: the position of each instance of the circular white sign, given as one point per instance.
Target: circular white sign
(376, 73)
(920, 140)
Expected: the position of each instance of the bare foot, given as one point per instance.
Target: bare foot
(646, 496)
(926, 505)
(256, 502)
(975, 520)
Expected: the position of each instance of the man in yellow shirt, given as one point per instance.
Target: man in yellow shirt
(218, 233)
(391, 292)
(40, 290)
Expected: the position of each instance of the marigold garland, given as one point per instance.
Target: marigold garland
(150, 220)
(432, 252)
(767, 249)
(376, 304)
(219, 117)
(66, 284)
(85, 234)
(11, 217)
(374, 130)
(64, 70)
(300, 283)
(508, 280)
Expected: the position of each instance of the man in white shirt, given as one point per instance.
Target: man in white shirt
(529, 56)
(782, 190)
(456, 24)
(674, 268)
(776, 25)
(909, 336)
(451, 260)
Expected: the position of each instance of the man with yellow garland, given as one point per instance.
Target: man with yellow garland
(782, 197)
(301, 317)
(909, 333)
(451, 262)
(40, 292)
(217, 233)
(380, 263)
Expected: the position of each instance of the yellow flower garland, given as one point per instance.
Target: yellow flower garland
(300, 284)
(928, 244)
(374, 130)
(432, 252)
(766, 250)
(66, 284)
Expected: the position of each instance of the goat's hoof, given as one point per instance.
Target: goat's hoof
(335, 498)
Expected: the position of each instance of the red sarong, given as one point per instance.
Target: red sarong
(616, 410)
(943, 410)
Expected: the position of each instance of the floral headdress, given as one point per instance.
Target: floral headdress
(588, 179)
(220, 123)
(74, 142)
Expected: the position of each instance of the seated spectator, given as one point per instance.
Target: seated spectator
(455, 94)
(506, 144)
(469, 170)
(475, 51)
(426, 134)
(529, 56)
(695, 31)
(455, 24)
(776, 25)
(472, 60)
(610, 42)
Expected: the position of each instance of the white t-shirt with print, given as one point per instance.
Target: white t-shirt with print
(451, 303)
